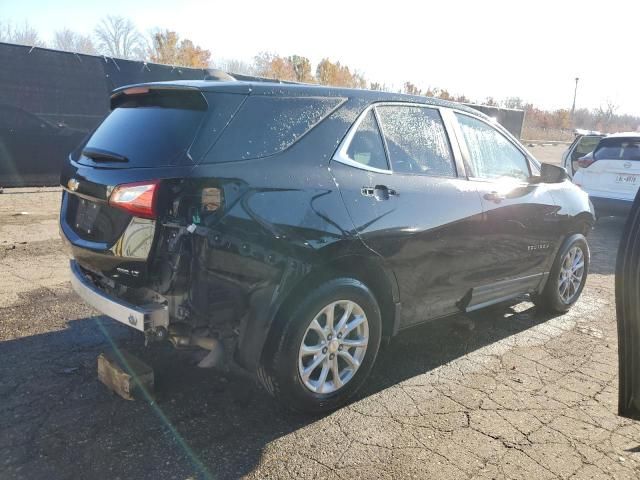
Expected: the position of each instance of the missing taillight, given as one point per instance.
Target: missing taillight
(139, 199)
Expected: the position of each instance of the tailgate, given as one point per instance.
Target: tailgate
(613, 178)
(122, 180)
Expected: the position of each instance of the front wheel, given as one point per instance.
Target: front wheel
(567, 277)
(326, 346)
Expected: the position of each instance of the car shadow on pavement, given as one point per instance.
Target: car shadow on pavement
(604, 248)
(58, 421)
(426, 347)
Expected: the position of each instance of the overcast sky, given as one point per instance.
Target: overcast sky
(481, 48)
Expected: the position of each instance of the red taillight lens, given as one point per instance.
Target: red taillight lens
(139, 199)
(585, 162)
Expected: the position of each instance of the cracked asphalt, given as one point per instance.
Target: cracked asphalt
(504, 393)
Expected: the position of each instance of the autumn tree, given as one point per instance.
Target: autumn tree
(274, 66)
(167, 48)
(21, 35)
(71, 41)
(335, 74)
(301, 68)
(118, 37)
(437, 92)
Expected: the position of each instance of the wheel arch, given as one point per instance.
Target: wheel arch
(379, 279)
(582, 224)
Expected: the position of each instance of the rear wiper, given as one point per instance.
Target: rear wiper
(99, 155)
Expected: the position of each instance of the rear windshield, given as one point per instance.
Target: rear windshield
(266, 125)
(147, 130)
(618, 149)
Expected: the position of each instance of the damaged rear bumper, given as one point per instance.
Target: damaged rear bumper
(145, 318)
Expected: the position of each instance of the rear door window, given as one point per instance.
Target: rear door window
(266, 125)
(147, 130)
(618, 149)
(416, 140)
(491, 154)
(366, 147)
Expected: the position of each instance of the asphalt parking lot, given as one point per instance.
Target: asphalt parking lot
(505, 393)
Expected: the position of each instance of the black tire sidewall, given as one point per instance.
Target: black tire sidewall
(284, 363)
(551, 296)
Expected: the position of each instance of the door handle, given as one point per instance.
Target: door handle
(380, 192)
(494, 197)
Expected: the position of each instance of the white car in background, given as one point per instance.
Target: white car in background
(584, 143)
(611, 173)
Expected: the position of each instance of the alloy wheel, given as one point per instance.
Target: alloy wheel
(571, 274)
(333, 347)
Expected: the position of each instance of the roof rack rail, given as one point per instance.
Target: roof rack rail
(253, 78)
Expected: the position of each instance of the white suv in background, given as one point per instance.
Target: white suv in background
(585, 142)
(611, 173)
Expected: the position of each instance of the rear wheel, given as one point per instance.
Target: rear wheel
(326, 347)
(567, 277)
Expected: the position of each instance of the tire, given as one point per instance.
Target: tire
(285, 362)
(551, 299)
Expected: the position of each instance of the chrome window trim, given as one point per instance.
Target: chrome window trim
(341, 153)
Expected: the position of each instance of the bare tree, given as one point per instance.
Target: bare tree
(411, 89)
(232, 65)
(606, 112)
(24, 35)
(71, 41)
(513, 102)
(118, 37)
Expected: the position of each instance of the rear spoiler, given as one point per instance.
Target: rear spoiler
(181, 96)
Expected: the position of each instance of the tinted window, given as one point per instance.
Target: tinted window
(366, 146)
(492, 155)
(266, 125)
(416, 140)
(151, 129)
(618, 149)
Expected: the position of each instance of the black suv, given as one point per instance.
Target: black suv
(296, 227)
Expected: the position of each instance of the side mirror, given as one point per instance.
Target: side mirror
(552, 173)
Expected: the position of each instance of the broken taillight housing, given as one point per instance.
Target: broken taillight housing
(139, 199)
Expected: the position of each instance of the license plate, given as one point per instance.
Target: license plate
(627, 179)
(86, 216)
